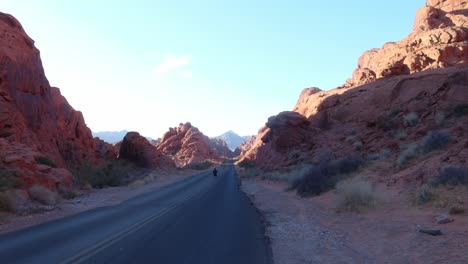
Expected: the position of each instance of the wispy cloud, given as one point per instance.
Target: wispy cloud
(173, 63)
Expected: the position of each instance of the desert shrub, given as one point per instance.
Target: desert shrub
(43, 195)
(355, 195)
(294, 154)
(381, 155)
(411, 152)
(9, 180)
(251, 173)
(440, 119)
(388, 120)
(411, 119)
(452, 176)
(247, 164)
(45, 161)
(400, 135)
(358, 145)
(5, 203)
(425, 194)
(315, 182)
(323, 177)
(435, 140)
(115, 173)
(461, 110)
(199, 166)
(325, 156)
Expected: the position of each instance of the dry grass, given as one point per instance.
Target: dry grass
(355, 195)
(43, 195)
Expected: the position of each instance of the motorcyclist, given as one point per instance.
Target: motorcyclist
(215, 172)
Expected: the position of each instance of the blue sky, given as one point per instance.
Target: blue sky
(222, 65)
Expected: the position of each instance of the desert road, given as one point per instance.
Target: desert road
(201, 219)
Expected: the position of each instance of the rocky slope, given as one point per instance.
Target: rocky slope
(187, 145)
(139, 150)
(398, 95)
(38, 128)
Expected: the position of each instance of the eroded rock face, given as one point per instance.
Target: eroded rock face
(187, 145)
(439, 40)
(426, 77)
(36, 115)
(138, 149)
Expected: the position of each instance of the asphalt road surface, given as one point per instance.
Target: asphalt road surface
(202, 219)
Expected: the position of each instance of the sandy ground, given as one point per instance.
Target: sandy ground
(92, 199)
(310, 230)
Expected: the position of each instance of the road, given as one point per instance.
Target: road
(202, 219)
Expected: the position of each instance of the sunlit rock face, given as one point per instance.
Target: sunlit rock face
(35, 119)
(439, 40)
(419, 79)
(187, 145)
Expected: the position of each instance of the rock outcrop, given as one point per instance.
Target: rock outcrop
(187, 145)
(35, 119)
(439, 40)
(399, 95)
(138, 149)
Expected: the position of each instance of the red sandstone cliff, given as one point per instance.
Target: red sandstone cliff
(35, 119)
(398, 94)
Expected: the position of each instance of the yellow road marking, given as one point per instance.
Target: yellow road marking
(100, 246)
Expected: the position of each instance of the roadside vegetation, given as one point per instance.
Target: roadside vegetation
(115, 173)
(356, 195)
(445, 190)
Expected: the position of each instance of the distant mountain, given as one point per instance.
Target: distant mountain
(232, 139)
(113, 136)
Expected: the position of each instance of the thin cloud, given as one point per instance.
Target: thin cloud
(172, 63)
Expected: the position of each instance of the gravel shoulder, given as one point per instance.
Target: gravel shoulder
(310, 230)
(91, 199)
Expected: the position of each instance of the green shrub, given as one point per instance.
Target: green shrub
(435, 140)
(411, 119)
(9, 180)
(43, 195)
(45, 161)
(355, 195)
(452, 176)
(461, 110)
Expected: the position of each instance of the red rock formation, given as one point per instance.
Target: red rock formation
(365, 116)
(36, 115)
(439, 40)
(245, 147)
(139, 150)
(221, 148)
(187, 145)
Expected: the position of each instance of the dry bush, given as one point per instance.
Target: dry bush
(323, 177)
(43, 195)
(9, 180)
(5, 202)
(45, 161)
(411, 119)
(435, 140)
(355, 195)
(451, 175)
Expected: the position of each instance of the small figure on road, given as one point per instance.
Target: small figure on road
(215, 172)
